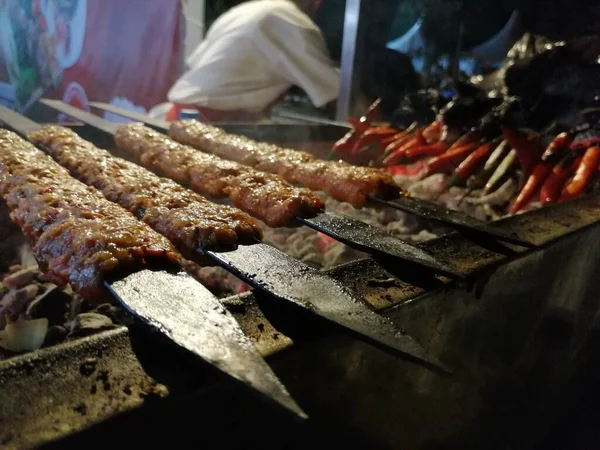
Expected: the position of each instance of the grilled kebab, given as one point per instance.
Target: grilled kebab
(187, 219)
(263, 195)
(338, 179)
(76, 234)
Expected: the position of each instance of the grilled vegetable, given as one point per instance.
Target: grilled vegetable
(449, 160)
(500, 171)
(528, 151)
(555, 149)
(398, 154)
(372, 136)
(433, 132)
(426, 150)
(555, 182)
(583, 175)
(469, 165)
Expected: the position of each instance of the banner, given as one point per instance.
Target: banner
(128, 53)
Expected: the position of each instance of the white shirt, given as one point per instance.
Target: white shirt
(252, 54)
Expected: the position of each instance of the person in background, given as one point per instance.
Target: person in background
(250, 57)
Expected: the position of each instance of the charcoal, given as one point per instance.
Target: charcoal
(56, 334)
(21, 278)
(115, 313)
(89, 323)
(52, 304)
(16, 301)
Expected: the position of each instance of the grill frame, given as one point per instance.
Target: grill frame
(435, 315)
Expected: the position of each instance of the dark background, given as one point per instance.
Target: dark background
(388, 19)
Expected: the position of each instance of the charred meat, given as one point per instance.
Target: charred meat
(187, 219)
(76, 234)
(340, 180)
(263, 195)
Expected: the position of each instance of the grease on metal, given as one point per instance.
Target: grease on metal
(192, 317)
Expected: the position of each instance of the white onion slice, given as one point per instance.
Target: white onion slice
(24, 335)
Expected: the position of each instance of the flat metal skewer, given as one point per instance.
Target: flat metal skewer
(455, 219)
(187, 313)
(417, 207)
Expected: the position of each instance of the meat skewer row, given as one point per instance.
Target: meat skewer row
(187, 219)
(338, 179)
(263, 195)
(76, 234)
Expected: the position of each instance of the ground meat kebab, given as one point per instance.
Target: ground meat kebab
(76, 234)
(263, 195)
(187, 219)
(338, 179)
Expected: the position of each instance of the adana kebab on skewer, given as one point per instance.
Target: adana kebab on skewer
(187, 219)
(342, 181)
(263, 195)
(76, 234)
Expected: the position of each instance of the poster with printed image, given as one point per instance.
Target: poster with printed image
(80, 51)
(40, 39)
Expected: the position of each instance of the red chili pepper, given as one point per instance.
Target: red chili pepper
(468, 167)
(389, 139)
(449, 160)
(426, 150)
(359, 125)
(397, 155)
(584, 172)
(554, 184)
(391, 148)
(535, 180)
(542, 171)
(372, 112)
(346, 143)
(469, 137)
(407, 170)
(473, 161)
(371, 136)
(433, 132)
(528, 152)
(559, 145)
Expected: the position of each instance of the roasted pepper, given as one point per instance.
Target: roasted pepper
(372, 112)
(557, 148)
(358, 125)
(389, 139)
(468, 167)
(433, 132)
(372, 136)
(583, 174)
(541, 172)
(490, 166)
(528, 151)
(470, 137)
(500, 171)
(397, 153)
(449, 160)
(426, 150)
(345, 143)
(561, 172)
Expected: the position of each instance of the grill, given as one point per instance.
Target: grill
(349, 384)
